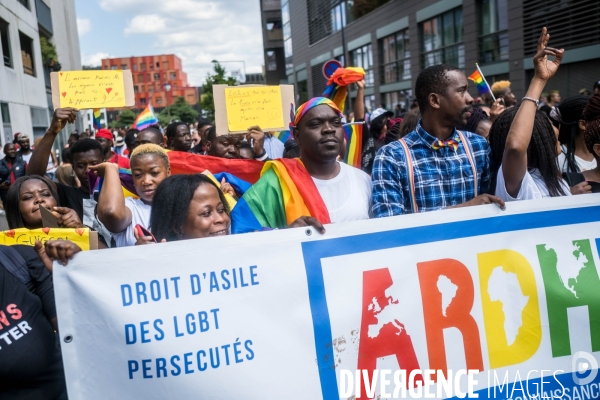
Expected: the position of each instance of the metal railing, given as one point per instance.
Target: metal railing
(395, 71)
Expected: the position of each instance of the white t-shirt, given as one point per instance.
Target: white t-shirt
(532, 187)
(348, 195)
(581, 163)
(27, 157)
(140, 214)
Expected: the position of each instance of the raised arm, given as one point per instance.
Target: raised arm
(39, 159)
(112, 211)
(359, 103)
(514, 160)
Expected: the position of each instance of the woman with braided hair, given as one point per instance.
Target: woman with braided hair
(526, 155)
(591, 118)
(566, 116)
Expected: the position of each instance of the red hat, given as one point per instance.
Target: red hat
(104, 133)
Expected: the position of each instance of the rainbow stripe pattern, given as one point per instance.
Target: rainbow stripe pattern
(283, 136)
(353, 133)
(337, 85)
(284, 193)
(97, 115)
(296, 115)
(451, 143)
(146, 118)
(480, 82)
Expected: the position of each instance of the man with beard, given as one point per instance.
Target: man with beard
(25, 151)
(435, 166)
(105, 138)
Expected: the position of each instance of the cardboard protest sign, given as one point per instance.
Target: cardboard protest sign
(505, 304)
(92, 89)
(239, 107)
(48, 219)
(83, 237)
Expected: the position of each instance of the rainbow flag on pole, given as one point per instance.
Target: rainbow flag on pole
(97, 115)
(145, 119)
(481, 83)
(353, 133)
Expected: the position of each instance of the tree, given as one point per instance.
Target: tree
(125, 118)
(218, 78)
(179, 110)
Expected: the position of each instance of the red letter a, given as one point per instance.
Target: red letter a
(457, 313)
(381, 338)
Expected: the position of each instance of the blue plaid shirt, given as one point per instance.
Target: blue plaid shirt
(442, 177)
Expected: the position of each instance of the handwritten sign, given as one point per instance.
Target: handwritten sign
(258, 105)
(92, 89)
(239, 107)
(83, 237)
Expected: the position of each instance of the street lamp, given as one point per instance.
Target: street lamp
(167, 87)
(230, 61)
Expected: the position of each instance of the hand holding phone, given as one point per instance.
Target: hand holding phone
(142, 234)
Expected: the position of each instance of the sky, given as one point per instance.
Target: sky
(197, 31)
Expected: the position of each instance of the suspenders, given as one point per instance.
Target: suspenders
(411, 170)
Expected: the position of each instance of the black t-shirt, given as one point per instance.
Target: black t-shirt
(575, 178)
(71, 197)
(30, 360)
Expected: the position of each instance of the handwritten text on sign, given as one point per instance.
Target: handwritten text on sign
(91, 89)
(258, 105)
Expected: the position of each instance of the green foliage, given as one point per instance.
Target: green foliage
(179, 110)
(218, 78)
(49, 54)
(126, 118)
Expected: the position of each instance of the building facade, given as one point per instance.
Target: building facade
(394, 40)
(157, 80)
(272, 27)
(25, 92)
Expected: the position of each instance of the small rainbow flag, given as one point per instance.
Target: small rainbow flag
(283, 136)
(145, 119)
(353, 133)
(480, 82)
(97, 115)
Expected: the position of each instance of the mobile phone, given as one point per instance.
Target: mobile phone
(502, 101)
(144, 232)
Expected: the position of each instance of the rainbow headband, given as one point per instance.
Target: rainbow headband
(296, 115)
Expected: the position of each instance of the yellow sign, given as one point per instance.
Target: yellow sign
(92, 89)
(254, 105)
(82, 237)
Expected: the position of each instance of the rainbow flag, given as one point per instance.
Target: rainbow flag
(283, 136)
(95, 183)
(353, 133)
(480, 82)
(145, 119)
(97, 114)
(337, 86)
(284, 192)
(189, 163)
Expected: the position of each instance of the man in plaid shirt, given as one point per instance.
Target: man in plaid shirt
(449, 168)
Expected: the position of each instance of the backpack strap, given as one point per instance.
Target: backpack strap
(411, 176)
(471, 157)
(17, 266)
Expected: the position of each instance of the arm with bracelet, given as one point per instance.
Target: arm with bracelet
(514, 160)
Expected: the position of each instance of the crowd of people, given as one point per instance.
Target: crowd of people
(448, 151)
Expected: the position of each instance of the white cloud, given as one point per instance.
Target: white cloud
(198, 31)
(84, 25)
(93, 60)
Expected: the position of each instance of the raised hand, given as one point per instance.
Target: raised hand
(545, 68)
(61, 117)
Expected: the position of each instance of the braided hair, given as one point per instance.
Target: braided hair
(541, 153)
(591, 116)
(567, 114)
(477, 115)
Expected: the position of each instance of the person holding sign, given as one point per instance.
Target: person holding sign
(25, 198)
(84, 153)
(435, 166)
(105, 138)
(149, 167)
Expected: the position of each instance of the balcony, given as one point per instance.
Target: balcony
(271, 5)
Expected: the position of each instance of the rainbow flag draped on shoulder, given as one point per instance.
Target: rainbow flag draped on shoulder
(284, 192)
(353, 133)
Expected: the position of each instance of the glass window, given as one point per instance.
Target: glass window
(157, 65)
(143, 101)
(142, 66)
(493, 28)
(271, 60)
(441, 40)
(27, 54)
(165, 65)
(25, 3)
(5, 43)
(135, 67)
(159, 100)
(141, 78)
(395, 65)
(135, 89)
(157, 77)
(363, 57)
(173, 75)
(285, 13)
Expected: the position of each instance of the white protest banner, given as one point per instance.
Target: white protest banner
(505, 304)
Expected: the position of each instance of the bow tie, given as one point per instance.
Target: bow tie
(451, 143)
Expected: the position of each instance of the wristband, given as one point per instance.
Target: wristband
(537, 102)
